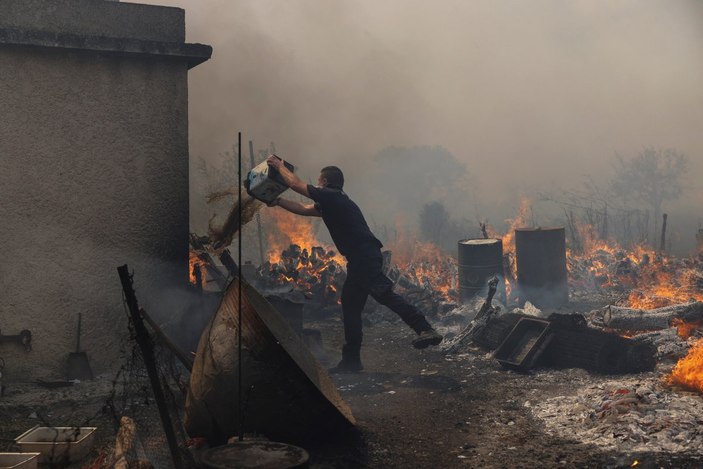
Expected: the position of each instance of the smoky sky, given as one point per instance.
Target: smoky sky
(528, 94)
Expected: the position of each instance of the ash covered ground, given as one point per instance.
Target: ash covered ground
(426, 409)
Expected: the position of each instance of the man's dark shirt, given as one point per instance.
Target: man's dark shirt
(343, 219)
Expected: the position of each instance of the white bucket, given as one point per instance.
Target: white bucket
(57, 444)
(265, 183)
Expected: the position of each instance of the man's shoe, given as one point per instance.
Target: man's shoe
(347, 367)
(351, 360)
(427, 338)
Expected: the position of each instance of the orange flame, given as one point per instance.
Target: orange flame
(313, 264)
(294, 229)
(688, 372)
(686, 329)
(193, 263)
(424, 263)
(520, 220)
(654, 280)
(508, 239)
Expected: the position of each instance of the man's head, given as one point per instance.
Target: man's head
(331, 176)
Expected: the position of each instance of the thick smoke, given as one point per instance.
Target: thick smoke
(530, 96)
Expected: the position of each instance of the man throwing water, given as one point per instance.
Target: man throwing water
(354, 240)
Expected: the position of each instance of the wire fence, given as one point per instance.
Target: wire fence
(95, 424)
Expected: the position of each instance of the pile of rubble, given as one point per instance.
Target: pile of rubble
(636, 413)
(630, 414)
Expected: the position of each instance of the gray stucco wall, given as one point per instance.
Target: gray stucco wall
(95, 18)
(93, 175)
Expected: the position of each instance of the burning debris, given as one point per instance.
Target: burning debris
(296, 259)
(318, 273)
(645, 413)
(656, 412)
(678, 336)
(688, 372)
(610, 342)
(202, 268)
(597, 271)
(616, 339)
(638, 278)
(422, 265)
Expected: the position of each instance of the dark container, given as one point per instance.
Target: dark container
(479, 260)
(540, 254)
(524, 344)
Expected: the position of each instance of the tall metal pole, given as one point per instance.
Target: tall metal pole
(239, 296)
(258, 217)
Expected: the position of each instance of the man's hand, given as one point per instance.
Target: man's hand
(274, 202)
(275, 162)
(290, 178)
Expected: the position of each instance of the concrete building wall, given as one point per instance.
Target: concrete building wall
(95, 18)
(93, 175)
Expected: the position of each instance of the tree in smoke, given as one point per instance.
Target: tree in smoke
(439, 228)
(407, 178)
(434, 221)
(654, 176)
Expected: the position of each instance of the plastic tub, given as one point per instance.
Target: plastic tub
(522, 347)
(57, 444)
(19, 460)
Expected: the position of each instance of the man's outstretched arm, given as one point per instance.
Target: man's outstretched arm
(290, 178)
(292, 206)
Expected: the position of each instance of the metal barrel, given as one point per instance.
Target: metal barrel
(540, 254)
(479, 260)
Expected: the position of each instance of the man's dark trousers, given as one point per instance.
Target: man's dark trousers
(364, 278)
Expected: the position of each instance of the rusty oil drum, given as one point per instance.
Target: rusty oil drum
(479, 260)
(540, 254)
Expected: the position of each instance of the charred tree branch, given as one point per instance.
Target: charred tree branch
(478, 324)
